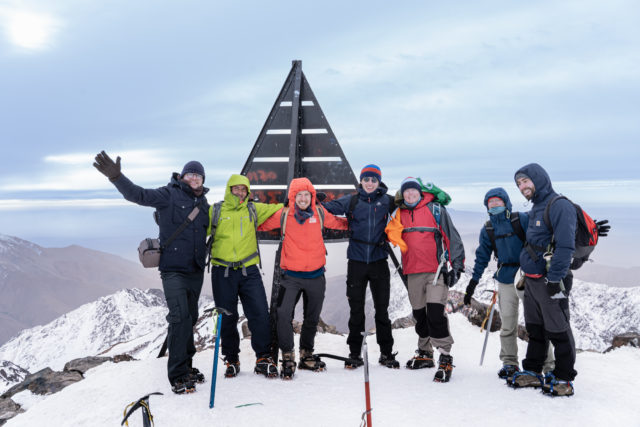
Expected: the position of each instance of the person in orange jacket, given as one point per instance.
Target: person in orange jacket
(428, 241)
(302, 262)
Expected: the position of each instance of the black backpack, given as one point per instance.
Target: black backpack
(517, 230)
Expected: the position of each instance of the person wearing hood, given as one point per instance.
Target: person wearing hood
(302, 262)
(503, 236)
(235, 274)
(425, 233)
(181, 263)
(367, 213)
(548, 281)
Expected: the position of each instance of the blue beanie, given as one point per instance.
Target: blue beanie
(193, 167)
(371, 170)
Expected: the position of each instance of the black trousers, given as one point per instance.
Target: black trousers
(181, 291)
(547, 320)
(376, 274)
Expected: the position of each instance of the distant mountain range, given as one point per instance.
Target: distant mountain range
(39, 284)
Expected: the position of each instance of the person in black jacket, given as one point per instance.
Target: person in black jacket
(181, 263)
(367, 262)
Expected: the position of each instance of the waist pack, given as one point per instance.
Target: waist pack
(149, 250)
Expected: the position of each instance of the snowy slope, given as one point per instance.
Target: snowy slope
(475, 396)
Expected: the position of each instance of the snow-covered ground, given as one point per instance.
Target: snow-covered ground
(606, 392)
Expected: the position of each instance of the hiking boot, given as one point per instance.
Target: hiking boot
(445, 367)
(233, 368)
(355, 362)
(266, 366)
(183, 384)
(288, 365)
(389, 360)
(525, 379)
(507, 371)
(310, 361)
(422, 359)
(556, 387)
(196, 376)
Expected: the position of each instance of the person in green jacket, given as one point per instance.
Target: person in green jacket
(234, 258)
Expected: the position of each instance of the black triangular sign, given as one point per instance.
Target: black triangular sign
(297, 141)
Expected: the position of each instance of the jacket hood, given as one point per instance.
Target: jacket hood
(498, 192)
(301, 184)
(236, 179)
(540, 179)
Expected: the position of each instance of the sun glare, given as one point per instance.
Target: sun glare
(29, 30)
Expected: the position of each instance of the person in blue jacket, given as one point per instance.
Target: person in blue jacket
(181, 263)
(547, 285)
(503, 236)
(367, 214)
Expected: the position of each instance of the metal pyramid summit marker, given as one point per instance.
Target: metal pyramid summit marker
(297, 141)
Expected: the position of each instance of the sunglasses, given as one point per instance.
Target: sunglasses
(191, 175)
(370, 178)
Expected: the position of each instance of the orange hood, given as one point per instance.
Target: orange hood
(301, 184)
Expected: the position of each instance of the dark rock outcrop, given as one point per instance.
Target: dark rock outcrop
(82, 365)
(629, 339)
(45, 381)
(8, 409)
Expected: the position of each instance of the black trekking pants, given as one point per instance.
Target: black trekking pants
(181, 291)
(377, 275)
(312, 292)
(547, 320)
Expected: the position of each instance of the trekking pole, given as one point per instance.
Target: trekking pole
(490, 310)
(367, 394)
(217, 325)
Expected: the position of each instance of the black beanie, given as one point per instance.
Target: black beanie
(193, 167)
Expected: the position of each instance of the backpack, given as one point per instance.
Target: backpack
(586, 233)
(517, 230)
(441, 196)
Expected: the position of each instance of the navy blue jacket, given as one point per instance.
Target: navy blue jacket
(508, 247)
(366, 224)
(563, 219)
(174, 202)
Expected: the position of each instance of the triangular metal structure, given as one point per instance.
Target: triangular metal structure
(297, 141)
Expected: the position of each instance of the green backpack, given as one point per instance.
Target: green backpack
(440, 195)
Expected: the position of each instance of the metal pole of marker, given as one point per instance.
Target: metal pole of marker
(367, 394)
(217, 325)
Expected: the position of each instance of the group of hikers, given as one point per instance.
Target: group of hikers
(432, 260)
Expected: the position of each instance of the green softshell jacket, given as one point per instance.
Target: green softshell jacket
(235, 237)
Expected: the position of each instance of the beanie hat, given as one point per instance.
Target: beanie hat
(494, 197)
(193, 167)
(410, 182)
(521, 175)
(371, 170)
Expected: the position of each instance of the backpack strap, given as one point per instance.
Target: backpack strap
(517, 227)
(488, 226)
(215, 217)
(352, 205)
(283, 221)
(546, 218)
(253, 217)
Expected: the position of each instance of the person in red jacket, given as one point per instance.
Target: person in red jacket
(428, 240)
(302, 262)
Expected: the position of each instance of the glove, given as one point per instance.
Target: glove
(602, 226)
(451, 278)
(108, 167)
(554, 290)
(471, 287)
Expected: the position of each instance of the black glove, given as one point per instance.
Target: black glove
(451, 278)
(320, 196)
(602, 226)
(108, 167)
(554, 290)
(471, 287)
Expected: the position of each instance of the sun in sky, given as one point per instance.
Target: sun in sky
(28, 30)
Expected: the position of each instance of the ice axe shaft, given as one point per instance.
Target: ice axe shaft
(367, 394)
(486, 336)
(442, 261)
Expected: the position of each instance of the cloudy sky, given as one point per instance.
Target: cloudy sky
(461, 94)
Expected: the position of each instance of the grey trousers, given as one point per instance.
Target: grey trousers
(312, 293)
(508, 301)
(428, 304)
